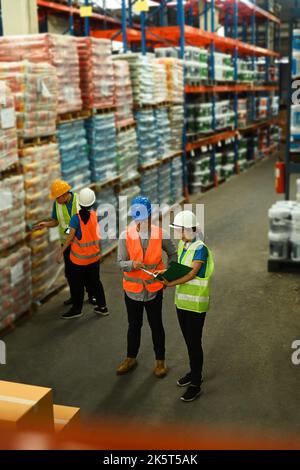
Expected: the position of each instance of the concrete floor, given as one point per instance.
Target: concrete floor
(250, 382)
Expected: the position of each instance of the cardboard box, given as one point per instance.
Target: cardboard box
(26, 406)
(65, 417)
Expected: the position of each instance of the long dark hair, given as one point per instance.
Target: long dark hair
(85, 213)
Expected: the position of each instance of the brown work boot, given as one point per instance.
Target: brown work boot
(160, 370)
(129, 364)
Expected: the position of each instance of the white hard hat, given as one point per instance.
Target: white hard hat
(185, 219)
(86, 197)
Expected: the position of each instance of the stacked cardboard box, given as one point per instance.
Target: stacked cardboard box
(8, 131)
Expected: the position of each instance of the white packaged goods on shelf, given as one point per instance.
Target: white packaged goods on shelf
(128, 154)
(175, 79)
(147, 136)
(296, 40)
(163, 132)
(12, 211)
(40, 166)
(149, 185)
(47, 274)
(124, 97)
(102, 140)
(160, 82)
(34, 87)
(15, 286)
(176, 180)
(224, 114)
(106, 200)
(75, 164)
(55, 49)
(176, 116)
(142, 77)
(96, 72)
(164, 184)
(8, 131)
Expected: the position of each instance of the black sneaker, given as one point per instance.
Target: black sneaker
(184, 381)
(68, 302)
(191, 394)
(71, 314)
(101, 311)
(92, 300)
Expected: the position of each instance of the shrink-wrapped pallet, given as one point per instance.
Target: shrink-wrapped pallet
(124, 98)
(12, 211)
(96, 72)
(57, 50)
(8, 131)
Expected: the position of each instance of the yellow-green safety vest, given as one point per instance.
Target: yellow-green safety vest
(64, 217)
(194, 295)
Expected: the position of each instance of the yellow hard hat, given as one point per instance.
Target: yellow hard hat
(58, 188)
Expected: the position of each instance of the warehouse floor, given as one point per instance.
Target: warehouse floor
(250, 381)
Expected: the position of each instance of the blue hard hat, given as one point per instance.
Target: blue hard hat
(140, 208)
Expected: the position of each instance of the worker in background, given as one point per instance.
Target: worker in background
(83, 242)
(141, 247)
(64, 208)
(192, 297)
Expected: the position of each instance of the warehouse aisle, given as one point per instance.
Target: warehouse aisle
(249, 378)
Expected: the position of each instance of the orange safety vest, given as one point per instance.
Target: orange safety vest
(87, 250)
(137, 281)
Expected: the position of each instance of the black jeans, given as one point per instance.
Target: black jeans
(191, 324)
(135, 322)
(88, 276)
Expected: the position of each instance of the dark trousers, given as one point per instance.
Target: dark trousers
(68, 265)
(88, 276)
(135, 322)
(191, 324)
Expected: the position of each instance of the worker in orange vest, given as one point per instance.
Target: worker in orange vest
(84, 239)
(141, 247)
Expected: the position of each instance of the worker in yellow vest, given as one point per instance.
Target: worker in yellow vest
(65, 206)
(192, 297)
(141, 247)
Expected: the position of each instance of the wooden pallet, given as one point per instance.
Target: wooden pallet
(128, 183)
(104, 110)
(105, 184)
(24, 143)
(126, 125)
(283, 266)
(73, 116)
(150, 166)
(12, 170)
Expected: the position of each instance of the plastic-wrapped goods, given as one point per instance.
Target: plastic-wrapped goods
(75, 164)
(274, 105)
(40, 166)
(224, 70)
(46, 273)
(200, 174)
(128, 154)
(96, 72)
(245, 71)
(34, 87)
(102, 140)
(163, 131)
(15, 286)
(176, 116)
(147, 136)
(160, 82)
(8, 131)
(242, 112)
(58, 50)
(262, 107)
(124, 215)
(224, 114)
(175, 79)
(164, 183)
(176, 180)
(106, 200)
(149, 185)
(142, 77)
(124, 98)
(12, 211)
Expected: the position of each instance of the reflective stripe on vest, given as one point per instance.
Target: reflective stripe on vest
(64, 217)
(86, 251)
(194, 295)
(136, 281)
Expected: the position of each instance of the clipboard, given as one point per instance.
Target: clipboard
(174, 272)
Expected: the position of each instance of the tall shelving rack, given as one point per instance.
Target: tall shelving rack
(233, 13)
